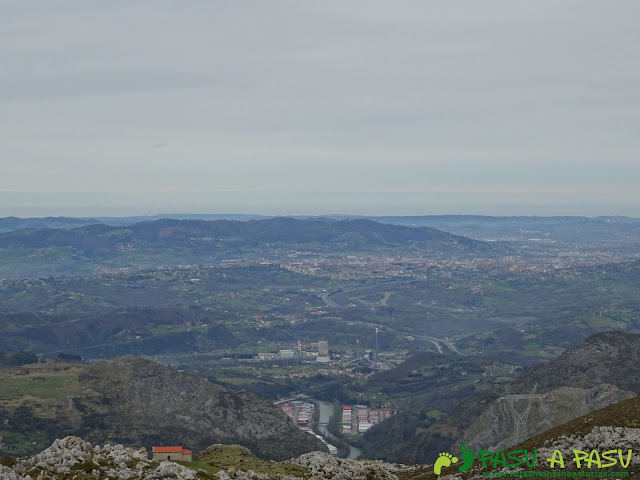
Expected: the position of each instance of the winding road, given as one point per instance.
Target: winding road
(326, 298)
(435, 340)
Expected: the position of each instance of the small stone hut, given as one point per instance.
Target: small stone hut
(174, 454)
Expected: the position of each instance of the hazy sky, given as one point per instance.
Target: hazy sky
(291, 107)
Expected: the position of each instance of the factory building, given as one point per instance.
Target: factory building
(323, 352)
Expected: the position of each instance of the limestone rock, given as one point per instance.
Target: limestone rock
(73, 458)
(494, 429)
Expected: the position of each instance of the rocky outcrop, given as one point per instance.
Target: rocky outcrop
(599, 372)
(606, 357)
(134, 401)
(72, 458)
(494, 429)
(323, 465)
(144, 403)
(616, 427)
(600, 438)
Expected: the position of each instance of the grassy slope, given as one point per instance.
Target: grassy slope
(225, 457)
(46, 386)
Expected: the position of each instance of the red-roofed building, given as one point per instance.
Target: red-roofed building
(174, 454)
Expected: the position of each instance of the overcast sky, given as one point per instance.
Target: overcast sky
(307, 107)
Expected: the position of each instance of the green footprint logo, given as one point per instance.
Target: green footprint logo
(467, 456)
(444, 460)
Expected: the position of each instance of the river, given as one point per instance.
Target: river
(326, 412)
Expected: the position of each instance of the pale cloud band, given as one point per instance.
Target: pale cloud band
(356, 107)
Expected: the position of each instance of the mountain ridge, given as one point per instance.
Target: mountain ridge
(135, 401)
(98, 247)
(263, 230)
(600, 371)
